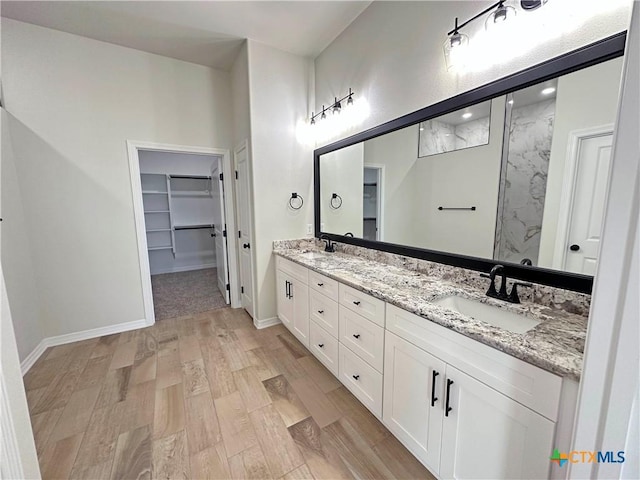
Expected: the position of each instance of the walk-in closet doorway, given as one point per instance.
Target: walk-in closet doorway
(184, 207)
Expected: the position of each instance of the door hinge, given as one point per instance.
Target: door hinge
(221, 177)
(228, 286)
(236, 174)
(241, 289)
(239, 234)
(224, 233)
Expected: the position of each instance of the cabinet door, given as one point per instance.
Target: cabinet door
(284, 303)
(488, 435)
(408, 395)
(299, 294)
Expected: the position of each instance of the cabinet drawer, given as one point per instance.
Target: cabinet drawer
(366, 305)
(293, 269)
(531, 386)
(323, 284)
(324, 312)
(324, 347)
(362, 379)
(363, 337)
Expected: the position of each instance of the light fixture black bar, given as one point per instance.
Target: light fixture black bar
(194, 177)
(473, 209)
(193, 227)
(486, 10)
(350, 94)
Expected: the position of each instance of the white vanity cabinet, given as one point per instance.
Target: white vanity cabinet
(464, 409)
(293, 298)
(458, 404)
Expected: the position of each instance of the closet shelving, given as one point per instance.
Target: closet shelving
(178, 217)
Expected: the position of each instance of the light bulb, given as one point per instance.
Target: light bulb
(548, 91)
(467, 115)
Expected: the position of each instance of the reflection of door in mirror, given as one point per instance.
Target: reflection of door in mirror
(542, 166)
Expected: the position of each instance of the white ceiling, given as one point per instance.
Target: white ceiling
(204, 32)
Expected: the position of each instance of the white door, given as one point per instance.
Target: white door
(220, 229)
(244, 228)
(590, 192)
(488, 435)
(283, 301)
(299, 293)
(414, 398)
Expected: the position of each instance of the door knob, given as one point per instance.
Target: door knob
(574, 248)
(246, 245)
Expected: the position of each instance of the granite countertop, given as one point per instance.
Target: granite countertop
(555, 345)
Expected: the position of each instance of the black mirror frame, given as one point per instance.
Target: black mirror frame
(598, 52)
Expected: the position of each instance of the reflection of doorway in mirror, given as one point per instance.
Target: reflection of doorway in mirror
(581, 210)
(372, 202)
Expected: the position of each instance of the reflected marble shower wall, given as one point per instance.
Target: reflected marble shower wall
(530, 135)
(440, 137)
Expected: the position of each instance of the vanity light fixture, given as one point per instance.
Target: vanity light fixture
(548, 91)
(335, 108)
(501, 14)
(456, 44)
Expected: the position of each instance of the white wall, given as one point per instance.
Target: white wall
(281, 164)
(240, 97)
(342, 173)
(16, 254)
(607, 410)
(73, 103)
(584, 99)
(392, 55)
(398, 152)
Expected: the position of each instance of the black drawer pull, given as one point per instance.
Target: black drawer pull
(447, 408)
(321, 284)
(356, 335)
(434, 399)
(356, 303)
(321, 345)
(320, 312)
(356, 376)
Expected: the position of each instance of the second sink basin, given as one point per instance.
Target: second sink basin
(495, 316)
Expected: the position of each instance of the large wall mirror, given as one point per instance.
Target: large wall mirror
(514, 172)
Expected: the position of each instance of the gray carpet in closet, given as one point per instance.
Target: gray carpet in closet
(185, 293)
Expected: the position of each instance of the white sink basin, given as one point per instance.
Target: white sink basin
(495, 316)
(313, 255)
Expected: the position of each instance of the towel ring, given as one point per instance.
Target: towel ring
(291, 201)
(335, 199)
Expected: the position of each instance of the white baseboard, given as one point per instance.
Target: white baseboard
(267, 322)
(186, 268)
(47, 342)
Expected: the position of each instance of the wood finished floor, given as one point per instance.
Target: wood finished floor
(205, 396)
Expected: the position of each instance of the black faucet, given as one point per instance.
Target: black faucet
(511, 297)
(492, 292)
(329, 247)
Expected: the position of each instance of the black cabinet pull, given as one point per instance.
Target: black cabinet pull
(321, 345)
(447, 408)
(290, 290)
(356, 303)
(434, 399)
(286, 288)
(574, 247)
(320, 312)
(321, 284)
(356, 335)
(356, 376)
(246, 245)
